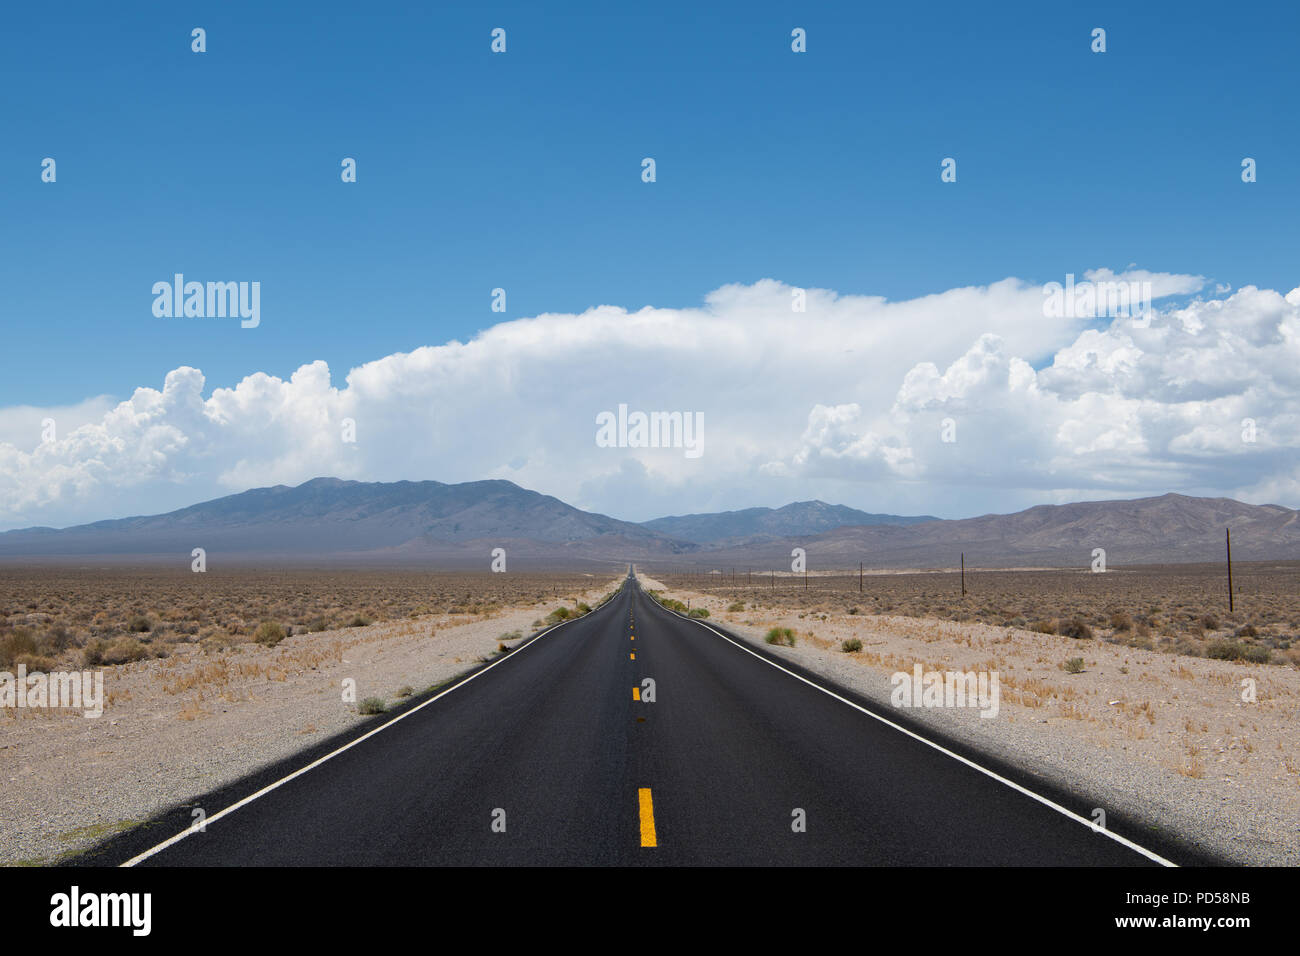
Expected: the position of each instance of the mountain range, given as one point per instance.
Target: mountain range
(430, 523)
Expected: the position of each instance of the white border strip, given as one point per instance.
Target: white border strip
(348, 746)
(1155, 857)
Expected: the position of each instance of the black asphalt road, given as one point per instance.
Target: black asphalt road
(729, 749)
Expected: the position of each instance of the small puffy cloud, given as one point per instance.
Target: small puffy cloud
(1163, 284)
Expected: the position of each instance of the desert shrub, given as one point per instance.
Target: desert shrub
(1120, 621)
(851, 646)
(1074, 665)
(124, 650)
(92, 655)
(1247, 630)
(269, 633)
(1237, 651)
(854, 610)
(1209, 622)
(58, 638)
(735, 606)
(139, 624)
(371, 705)
(1076, 629)
(780, 635)
(359, 620)
(1043, 627)
(511, 635)
(584, 608)
(15, 644)
(558, 615)
(698, 612)
(406, 691)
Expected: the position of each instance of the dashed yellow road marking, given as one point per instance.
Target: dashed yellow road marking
(636, 693)
(647, 818)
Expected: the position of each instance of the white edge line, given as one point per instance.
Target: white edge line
(139, 858)
(1150, 855)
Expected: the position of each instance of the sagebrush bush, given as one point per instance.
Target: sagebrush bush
(1076, 629)
(124, 650)
(371, 705)
(851, 646)
(269, 633)
(780, 635)
(1237, 651)
(15, 644)
(1074, 665)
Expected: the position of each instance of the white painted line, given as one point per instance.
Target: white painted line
(348, 746)
(1150, 855)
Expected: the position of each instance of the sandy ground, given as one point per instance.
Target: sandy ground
(176, 728)
(1162, 739)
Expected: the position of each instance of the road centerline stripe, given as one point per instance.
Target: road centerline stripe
(648, 837)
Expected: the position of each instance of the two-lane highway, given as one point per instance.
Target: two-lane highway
(554, 755)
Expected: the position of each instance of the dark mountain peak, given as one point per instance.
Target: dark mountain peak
(755, 524)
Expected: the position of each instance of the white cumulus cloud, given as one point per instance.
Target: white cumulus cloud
(845, 401)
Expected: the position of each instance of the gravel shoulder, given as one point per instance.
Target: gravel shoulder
(1166, 741)
(176, 728)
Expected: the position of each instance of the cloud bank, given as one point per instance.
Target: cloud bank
(957, 403)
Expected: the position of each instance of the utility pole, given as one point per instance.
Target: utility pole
(963, 574)
(1227, 536)
(859, 577)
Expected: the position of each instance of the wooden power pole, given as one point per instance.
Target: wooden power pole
(1227, 538)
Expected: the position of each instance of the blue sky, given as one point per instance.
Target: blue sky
(522, 171)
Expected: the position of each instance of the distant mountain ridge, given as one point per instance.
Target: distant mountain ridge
(456, 525)
(1171, 528)
(755, 524)
(374, 519)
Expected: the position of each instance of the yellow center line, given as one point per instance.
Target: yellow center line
(632, 656)
(636, 693)
(647, 818)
